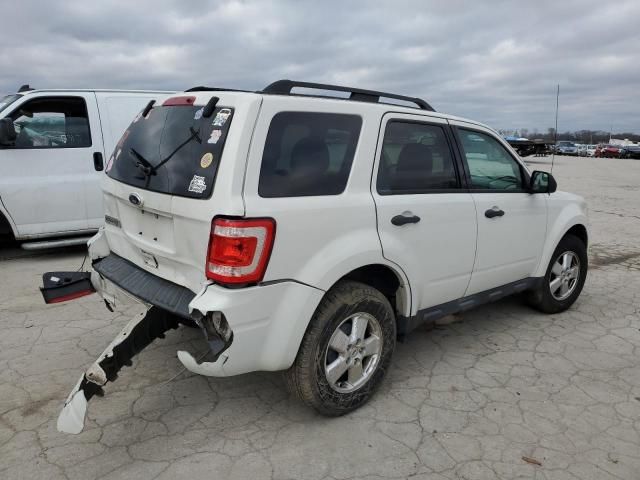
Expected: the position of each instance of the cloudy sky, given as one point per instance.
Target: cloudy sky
(494, 61)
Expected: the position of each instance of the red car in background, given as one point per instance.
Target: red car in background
(610, 151)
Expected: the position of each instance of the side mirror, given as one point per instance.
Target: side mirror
(7, 132)
(542, 182)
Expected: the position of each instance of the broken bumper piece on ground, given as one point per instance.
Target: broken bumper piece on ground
(140, 332)
(63, 286)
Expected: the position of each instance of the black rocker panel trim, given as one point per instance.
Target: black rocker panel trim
(144, 285)
(431, 314)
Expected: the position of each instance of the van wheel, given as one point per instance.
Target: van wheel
(345, 351)
(565, 277)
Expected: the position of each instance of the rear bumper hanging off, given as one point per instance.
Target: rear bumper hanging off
(140, 332)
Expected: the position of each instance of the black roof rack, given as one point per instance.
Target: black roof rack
(213, 89)
(284, 87)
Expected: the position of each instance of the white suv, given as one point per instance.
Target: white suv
(306, 234)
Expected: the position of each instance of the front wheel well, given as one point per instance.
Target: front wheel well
(383, 279)
(579, 231)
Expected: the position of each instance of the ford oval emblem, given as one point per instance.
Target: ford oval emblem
(135, 199)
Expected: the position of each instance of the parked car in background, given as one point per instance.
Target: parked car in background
(632, 151)
(52, 149)
(610, 151)
(582, 149)
(306, 234)
(591, 150)
(566, 148)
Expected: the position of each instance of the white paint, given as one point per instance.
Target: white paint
(320, 239)
(71, 418)
(48, 192)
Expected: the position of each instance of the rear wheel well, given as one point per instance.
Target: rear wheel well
(581, 232)
(383, 279)
(6, 232)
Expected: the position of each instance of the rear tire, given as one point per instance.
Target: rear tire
(346, 349)
(564, 279)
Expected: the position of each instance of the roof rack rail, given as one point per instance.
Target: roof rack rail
(284, 87)
(214, 89)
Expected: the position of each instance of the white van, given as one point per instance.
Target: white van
(52, 149)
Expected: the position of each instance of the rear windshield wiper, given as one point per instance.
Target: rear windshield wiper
(142, 163)
(194, 134)
(148, 169)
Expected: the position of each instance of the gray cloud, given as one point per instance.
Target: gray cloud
(494, 61)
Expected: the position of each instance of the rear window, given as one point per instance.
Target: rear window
(308, 154)
(173, 150)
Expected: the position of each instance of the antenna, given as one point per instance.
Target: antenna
(555, 133)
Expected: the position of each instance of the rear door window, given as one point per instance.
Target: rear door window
(416, 158)
(308, 153)
(172, 150)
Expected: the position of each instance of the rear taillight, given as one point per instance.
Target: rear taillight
(239, 249)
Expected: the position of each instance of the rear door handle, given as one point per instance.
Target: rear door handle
(98, 162)
(494, 212)
(406, 217)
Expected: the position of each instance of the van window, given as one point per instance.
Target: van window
(416, 158)
(8, 100)
(308, 153)
(173, 150)
(52, 123)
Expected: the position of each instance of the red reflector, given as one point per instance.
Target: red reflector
(239, 250)
(176, 101)
(71, 296)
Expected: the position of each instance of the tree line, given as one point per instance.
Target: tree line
(578, 136)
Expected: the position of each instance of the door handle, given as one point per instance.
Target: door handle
(406, 217)
(494, 212)
(98, 162)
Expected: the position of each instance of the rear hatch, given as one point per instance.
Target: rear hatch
(174, 169)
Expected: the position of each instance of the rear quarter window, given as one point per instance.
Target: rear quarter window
(308, 154)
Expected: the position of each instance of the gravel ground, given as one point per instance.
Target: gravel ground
(499, 392)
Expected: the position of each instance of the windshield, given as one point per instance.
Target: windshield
(7, 100)
(172, 150)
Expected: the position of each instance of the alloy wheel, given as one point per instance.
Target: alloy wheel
(565, 274)
(353, 352)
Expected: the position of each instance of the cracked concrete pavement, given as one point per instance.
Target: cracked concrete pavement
(467, 399)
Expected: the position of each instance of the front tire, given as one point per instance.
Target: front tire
(564, 279)
(346, 349)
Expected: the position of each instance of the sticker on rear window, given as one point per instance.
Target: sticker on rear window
(198, 114)
(197, 184)
(215, 136)
(206, 160)
(221, 117)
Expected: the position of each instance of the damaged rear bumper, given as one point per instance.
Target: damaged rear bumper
(247, 329)
(140, 332)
